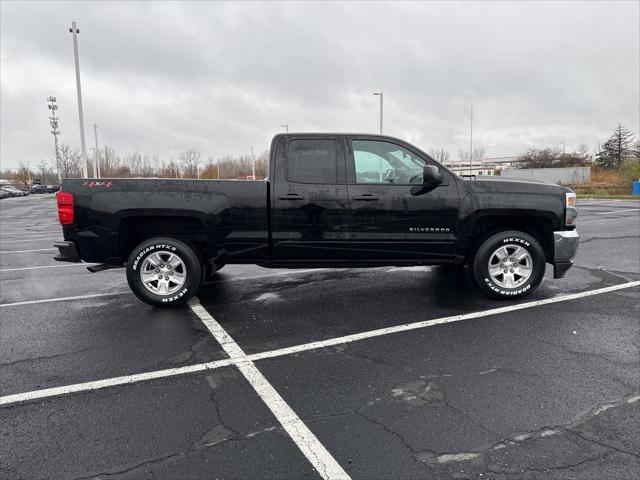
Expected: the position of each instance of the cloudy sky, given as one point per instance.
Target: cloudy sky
(162, 77)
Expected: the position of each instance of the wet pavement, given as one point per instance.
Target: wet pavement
(551, 390)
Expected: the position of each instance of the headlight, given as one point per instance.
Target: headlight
(571, 213)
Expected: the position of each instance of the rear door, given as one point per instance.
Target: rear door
(309, 214)
(387, 221)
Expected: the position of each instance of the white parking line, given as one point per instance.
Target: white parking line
(439, 321)
(616, 211)
(80, 387)
(47, 266)
(27, 251)
(62, 299)
(110, 382)
(306, 441)
(31, 240)
(25, 232)
(613, 200)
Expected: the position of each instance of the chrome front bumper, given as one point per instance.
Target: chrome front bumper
(565, 246)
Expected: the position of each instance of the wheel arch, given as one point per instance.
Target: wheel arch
(539, 227)
(189, 229)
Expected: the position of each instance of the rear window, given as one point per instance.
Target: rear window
(312, 161)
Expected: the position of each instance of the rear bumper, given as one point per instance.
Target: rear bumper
(565, 246)
(67, 252)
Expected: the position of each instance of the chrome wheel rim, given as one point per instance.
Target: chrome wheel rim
(163, 273)
(510, 266)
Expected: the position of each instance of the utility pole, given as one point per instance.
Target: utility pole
(96, 160)
(381, 95)
(75, 31)
(471, 144)
(53, 121)
(563, 149)
(253, 163)
(43, 166)
(106, 160)
(286, 127)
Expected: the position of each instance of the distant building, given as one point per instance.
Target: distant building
(485, 166)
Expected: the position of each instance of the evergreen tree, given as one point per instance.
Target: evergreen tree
(616, 149)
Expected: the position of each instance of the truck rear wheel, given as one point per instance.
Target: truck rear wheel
(164, 272)
(509, 265)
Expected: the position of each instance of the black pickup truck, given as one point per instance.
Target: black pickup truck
(330, 200)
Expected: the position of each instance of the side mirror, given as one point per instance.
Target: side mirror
(431, 176)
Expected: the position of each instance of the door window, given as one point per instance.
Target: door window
(384, 162)
(312, 161)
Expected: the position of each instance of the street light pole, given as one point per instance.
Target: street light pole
(285, 126)
(96, 160)
(53, 121)
(381, 95)
(75, 31)
(471, 144)
(563, 149)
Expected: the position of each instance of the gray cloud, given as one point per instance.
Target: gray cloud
(164, 77)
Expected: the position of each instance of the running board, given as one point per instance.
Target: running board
(101, 267)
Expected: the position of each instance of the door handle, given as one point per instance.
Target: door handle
(291, 196)
(366, 197)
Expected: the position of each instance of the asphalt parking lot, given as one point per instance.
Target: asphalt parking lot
(383, 373)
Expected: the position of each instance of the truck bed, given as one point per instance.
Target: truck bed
(225, 216)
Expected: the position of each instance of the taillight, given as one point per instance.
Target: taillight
(570, 209)
(65, 208)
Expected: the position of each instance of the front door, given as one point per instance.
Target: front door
(309, 212)
(387, 221)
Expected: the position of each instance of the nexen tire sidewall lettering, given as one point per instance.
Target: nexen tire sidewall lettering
(175, 297)
(516, 240)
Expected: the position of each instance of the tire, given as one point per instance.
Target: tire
(168, 257)
(524, 270)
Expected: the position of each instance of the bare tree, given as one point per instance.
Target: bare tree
(554, 158)
(147, 166)
(584, 152)
(477, 155)
(22, 176)
(210, 170)
(441, 155)
(70, 161)
(190, 160)
(134, 162)
(262, 164)
(110, 163)
(170, 170)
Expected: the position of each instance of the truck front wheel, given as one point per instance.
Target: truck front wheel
(509, 265)
(164, 272)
